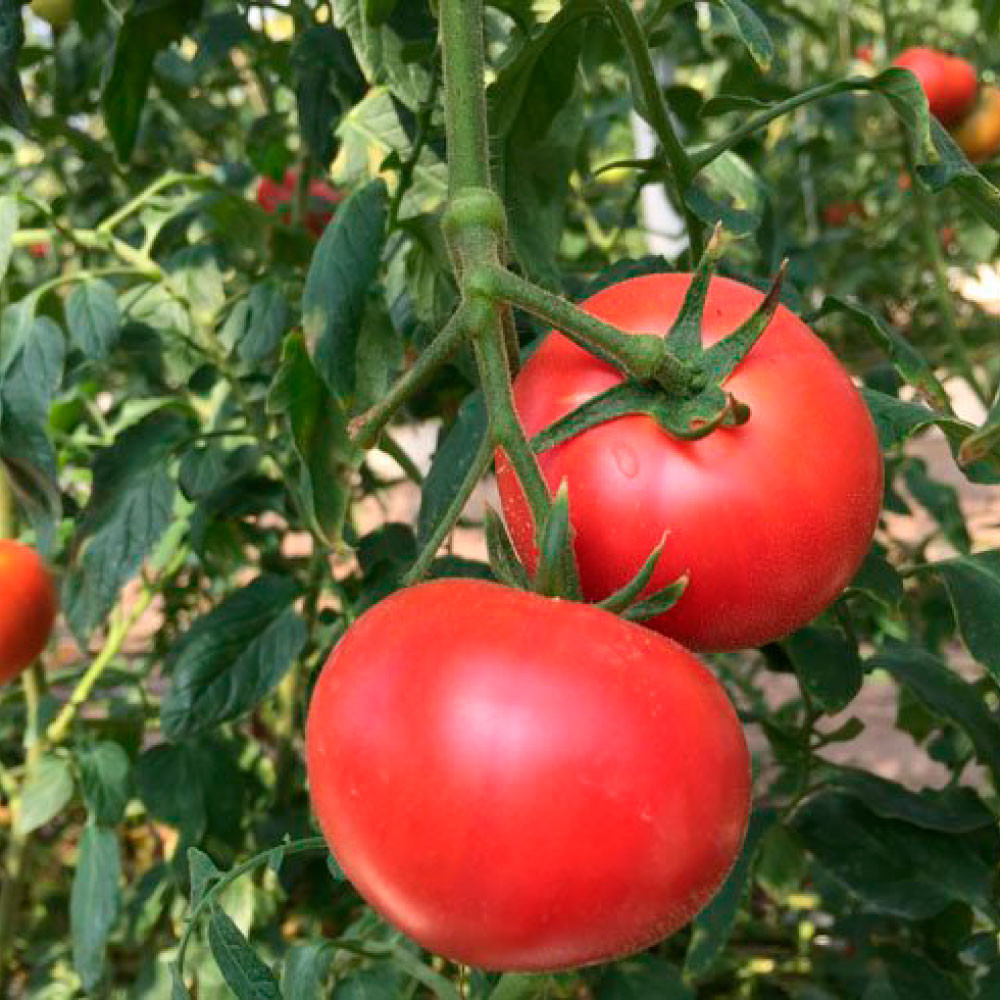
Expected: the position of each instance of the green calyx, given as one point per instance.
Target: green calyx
(693, 405)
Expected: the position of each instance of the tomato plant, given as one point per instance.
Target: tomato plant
(768, 520)
(253, 397)
(589, 780)
(27, 608)
(950, 82)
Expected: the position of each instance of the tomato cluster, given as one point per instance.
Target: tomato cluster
(954, 96)
(277, 197)
(529, 783)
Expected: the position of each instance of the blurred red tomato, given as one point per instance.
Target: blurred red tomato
(950, 83)
(276, 198)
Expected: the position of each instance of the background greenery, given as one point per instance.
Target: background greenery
(180, 453)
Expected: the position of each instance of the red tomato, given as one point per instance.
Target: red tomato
(276, 199)
(865, 54)
(840, 213)
(770, 519)
(949, 82)
(978, 135)
(27, 608)
(39, 250)
(524, 783)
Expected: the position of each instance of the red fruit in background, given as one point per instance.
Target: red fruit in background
(27, 608)
(839, 213)
(865, 54)
(950, 83)
(770, 520)
(524, 783)
(978, 135)
(277, 198)
(39, 250)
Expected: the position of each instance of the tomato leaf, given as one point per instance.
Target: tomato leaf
(244, 972)
(827, 664)
(232, 657)
(945, 694)
(323, 447)
(973, 584)
(13, 104)
(752, 30)
(104, 780)
(93, 318)
(640, 978)
(94, 901)
(257, 324)
(343, 266)
(878, 579)
(712, 927)
(47, 790)
(203, 875)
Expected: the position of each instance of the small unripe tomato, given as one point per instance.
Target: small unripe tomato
(950, 82)
(276, 198)
(58, 13)
(27, 607)
(978, 136)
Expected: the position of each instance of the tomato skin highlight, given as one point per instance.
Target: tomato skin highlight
(978, 135)
(770, 520)
(276, 198)
(28, 606)
(524, 783)
(950, 82)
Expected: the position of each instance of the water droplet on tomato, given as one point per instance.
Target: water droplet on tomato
(626, 460)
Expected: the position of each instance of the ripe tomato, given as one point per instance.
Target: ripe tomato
(58, 13)
(276, 199)
(770, 519)
(840, 213)
(978, 135)
(865, 54)
(27, 608)
(520, 782)
(39, 250)
(949, 82)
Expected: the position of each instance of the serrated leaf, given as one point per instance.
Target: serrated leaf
(94, 901)
(105, 771)
(47, 790)
(244, 972)
(93, 318)
(343, 267)
(230, 658)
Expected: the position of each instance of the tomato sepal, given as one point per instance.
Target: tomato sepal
(503, 559)
(658, 602)
(557, 574)
(629, 594)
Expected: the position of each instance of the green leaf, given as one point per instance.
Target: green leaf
(454, 456)
(894, 867)
(131, 506)
(729, 191)
(753, 32)
(950, 810)
(323, 447)
(94, 901)
(424, 974)
(148, 27)
(170, 781)
(93, 318)
(641, 978)
(230, 658)
(520, 986)
(946, 695)
(256, 326)
(105, 771)
(973, 584)
(940, 500)
(245, 974)
(878, 579)
(305, 971)
(828, 666)
(910, 975)
(906, 96)
(382, 982)
(712, 927)
(906, 359)
(8, 226)
(204, 875)
(343, 266)
(13, 105)
(47, 791)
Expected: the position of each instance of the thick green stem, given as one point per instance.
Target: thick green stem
(370, 424)
(643, 356)
(465, 93)
(473, 474)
